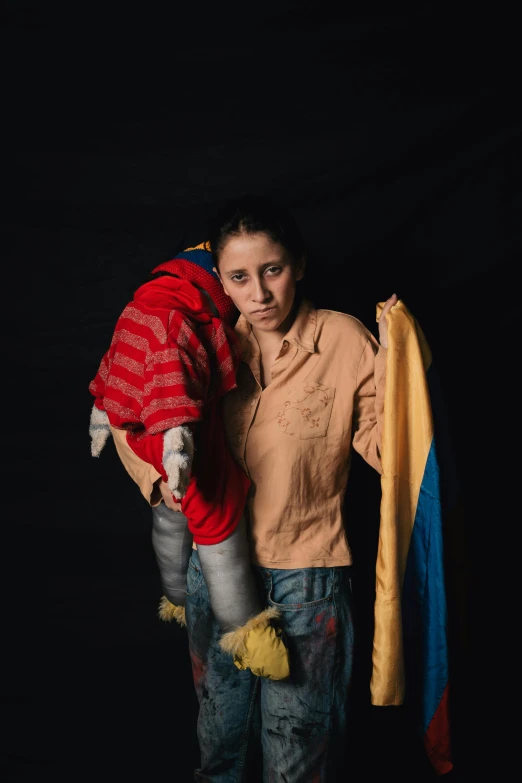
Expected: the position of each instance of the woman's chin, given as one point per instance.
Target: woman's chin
(273, 320)
(269, 324)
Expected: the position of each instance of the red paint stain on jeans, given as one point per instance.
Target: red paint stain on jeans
(331, 628)
(197, 668)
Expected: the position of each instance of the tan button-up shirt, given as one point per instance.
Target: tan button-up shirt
(294, 437)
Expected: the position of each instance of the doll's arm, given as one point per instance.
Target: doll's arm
(99, 426)
(176, 387)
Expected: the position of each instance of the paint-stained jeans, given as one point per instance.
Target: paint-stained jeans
(301, 721)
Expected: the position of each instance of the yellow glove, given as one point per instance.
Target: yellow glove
(168, 612)
(259, 646)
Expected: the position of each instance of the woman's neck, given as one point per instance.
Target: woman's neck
(268, 342)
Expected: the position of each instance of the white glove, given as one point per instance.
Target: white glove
(178, 452)
(99, 430)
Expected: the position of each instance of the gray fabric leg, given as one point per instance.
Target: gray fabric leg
(230, 580)
(172, 543)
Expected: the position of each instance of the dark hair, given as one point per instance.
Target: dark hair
(252, 214)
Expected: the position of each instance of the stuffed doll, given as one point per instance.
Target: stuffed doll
(172, 358)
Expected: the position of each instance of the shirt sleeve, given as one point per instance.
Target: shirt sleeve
(176, 380)
(171, 391)
(97, 385)
(142, 473)
(175, 388)
(369, 404)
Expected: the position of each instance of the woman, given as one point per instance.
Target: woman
(309, 389)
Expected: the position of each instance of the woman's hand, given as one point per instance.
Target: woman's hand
(167, 496)
(383, 327)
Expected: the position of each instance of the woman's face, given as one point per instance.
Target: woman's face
(260, 277)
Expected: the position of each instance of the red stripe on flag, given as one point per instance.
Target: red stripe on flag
(437, 737)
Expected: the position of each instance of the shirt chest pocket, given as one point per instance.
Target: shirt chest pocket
(306, 411)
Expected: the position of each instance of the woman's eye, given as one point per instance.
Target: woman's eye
(273, 270)
(238, 278)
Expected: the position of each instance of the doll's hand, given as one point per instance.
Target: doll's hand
(178, 452)
(383, 328)
(99, 430)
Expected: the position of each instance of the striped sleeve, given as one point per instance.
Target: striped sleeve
(155, 375)
(176, 379)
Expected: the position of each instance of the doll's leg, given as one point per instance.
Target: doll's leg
(248, 631)
(226, 566)
(172, 543)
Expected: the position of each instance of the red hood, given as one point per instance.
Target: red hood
(169, 293)
(192, 273)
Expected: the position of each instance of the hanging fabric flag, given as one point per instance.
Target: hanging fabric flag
(410, 644)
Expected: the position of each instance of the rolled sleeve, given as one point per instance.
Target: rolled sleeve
(142, 473)
(369, 404)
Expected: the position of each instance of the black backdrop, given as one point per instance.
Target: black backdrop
(392, 132)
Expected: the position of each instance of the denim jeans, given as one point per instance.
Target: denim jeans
(297, 724)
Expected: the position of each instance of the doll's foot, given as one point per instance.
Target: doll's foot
(259, 646)
(169, 612)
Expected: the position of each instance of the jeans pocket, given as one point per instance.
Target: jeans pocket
(300, 589)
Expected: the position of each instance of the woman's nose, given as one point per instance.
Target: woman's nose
(259, 291)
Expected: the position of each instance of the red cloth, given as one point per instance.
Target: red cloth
(169, 363)
(189, 270)
(218, 489)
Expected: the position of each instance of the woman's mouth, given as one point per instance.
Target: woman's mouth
(263, 313)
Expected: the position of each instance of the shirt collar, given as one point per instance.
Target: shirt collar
(301, 333)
